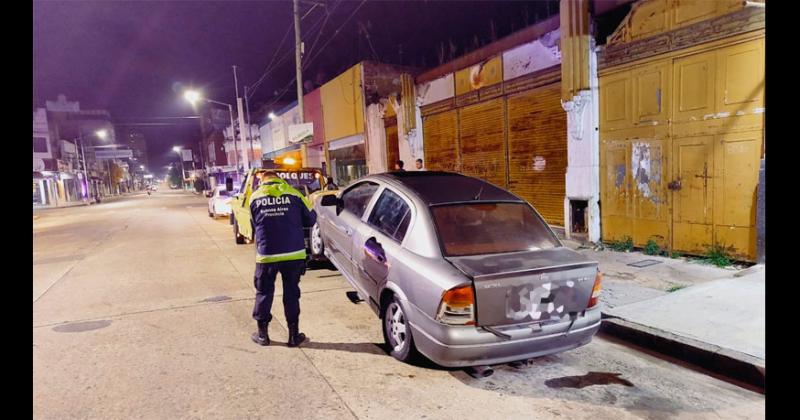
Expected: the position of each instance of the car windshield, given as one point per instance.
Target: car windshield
(490, 228)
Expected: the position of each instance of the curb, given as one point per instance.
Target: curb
(726, 362)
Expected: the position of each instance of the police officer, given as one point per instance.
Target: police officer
(279, 214)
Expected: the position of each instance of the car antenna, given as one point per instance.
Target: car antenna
(479, 193)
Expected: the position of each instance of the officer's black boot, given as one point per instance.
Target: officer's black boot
(261, 337)
(296, 338)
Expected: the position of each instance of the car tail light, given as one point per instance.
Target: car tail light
(458, 306)
(598, 279)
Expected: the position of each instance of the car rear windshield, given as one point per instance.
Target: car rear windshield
(224, 193)
(490, 228)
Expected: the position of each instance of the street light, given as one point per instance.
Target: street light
(193, 97)
(102, 134)
(272, 116)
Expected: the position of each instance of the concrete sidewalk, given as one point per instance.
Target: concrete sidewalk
(705, 315)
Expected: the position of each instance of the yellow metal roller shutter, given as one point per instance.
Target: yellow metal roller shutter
(537, 143)
(482, 141)
(441, 141)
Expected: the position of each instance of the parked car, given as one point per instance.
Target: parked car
(308, 181)
(220, 202)
(464, 272)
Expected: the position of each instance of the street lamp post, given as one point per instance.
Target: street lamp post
(193, 96)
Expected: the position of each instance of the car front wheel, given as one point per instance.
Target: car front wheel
(317, 246)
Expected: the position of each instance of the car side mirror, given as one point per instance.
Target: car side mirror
(330, 200)
(229, 184)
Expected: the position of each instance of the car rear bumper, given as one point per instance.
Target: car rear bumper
(462, 346)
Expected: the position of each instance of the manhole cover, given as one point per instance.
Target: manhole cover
(82, 326)
(644, 263)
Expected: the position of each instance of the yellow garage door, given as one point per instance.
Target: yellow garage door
(482, 141)
(537, 144)
(441, 141)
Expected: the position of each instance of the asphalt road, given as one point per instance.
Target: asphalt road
(142, 309)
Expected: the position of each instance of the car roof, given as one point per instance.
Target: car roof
(435, 187)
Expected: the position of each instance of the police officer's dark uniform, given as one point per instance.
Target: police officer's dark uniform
(279, 214)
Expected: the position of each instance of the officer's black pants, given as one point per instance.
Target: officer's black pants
(265, 289)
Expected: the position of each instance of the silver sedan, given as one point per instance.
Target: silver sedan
(464, 272)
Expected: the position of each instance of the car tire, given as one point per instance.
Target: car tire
(210, 214)
(236, 235)
(317, 245)
(397, 332)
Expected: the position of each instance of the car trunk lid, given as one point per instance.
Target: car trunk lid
(543, 286)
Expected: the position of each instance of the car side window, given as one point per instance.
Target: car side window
(391, 215)
(357, 198)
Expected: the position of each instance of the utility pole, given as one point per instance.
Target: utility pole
(83, 157)
(249, 130)
(298, 52)
(242, 135)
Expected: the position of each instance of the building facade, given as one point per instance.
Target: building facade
(682, 125)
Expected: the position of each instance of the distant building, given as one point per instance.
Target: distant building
(65, 167)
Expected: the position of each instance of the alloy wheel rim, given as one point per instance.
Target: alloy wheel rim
(397, 326)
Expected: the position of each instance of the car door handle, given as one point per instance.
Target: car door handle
(374, 250)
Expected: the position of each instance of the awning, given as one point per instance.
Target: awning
(346, 142)
(44, 174)
(279, 152)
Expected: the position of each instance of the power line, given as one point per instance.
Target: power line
(270, 67)
(319, 35)
(286, 87)
(310, 60)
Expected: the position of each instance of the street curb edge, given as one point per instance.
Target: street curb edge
(730, 363)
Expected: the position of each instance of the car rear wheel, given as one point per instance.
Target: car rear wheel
(397, 332)
(237, 236)
(317, 246)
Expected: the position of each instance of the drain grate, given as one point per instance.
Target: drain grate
(644, 263)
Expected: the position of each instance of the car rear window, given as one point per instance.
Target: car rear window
(490, 228)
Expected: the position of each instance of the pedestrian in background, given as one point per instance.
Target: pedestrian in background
(398, 166)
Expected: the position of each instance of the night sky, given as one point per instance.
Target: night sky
(134, 58)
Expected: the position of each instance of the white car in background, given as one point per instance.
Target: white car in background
(220, 202)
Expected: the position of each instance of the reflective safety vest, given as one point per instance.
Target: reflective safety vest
(279, 213)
